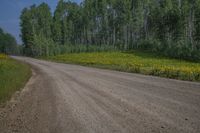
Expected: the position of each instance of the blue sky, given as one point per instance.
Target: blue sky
(10, 12)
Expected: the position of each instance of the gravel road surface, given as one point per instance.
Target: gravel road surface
(63, 98)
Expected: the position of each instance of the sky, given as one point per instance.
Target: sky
(10, 11)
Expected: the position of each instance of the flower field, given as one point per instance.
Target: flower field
(3, 56)
(137, 62)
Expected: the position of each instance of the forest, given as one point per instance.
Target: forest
(167, 27)
(8, 44)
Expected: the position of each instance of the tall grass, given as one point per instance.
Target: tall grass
(13, 75)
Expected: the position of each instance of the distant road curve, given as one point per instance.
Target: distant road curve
(63, 98)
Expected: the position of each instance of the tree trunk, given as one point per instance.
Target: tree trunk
(191, 24)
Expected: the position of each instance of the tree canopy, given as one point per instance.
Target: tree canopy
(8, 44)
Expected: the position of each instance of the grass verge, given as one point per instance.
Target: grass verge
(13, 76)
(135, 61)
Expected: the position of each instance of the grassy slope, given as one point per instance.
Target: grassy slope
(138, 62)
(13, 76)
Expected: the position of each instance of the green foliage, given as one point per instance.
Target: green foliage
(8, 44)
(13, 75)
(171, 27)
(35, 22)
(43, 46)
(135, 61)
(79, 48)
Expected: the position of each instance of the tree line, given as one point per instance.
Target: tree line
(169, 27)
(8, 44)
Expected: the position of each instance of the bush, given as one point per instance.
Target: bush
(150, 44)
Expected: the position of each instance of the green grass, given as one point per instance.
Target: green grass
(135, 61)
(13, 76)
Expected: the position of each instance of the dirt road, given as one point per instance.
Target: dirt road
(62, 98)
